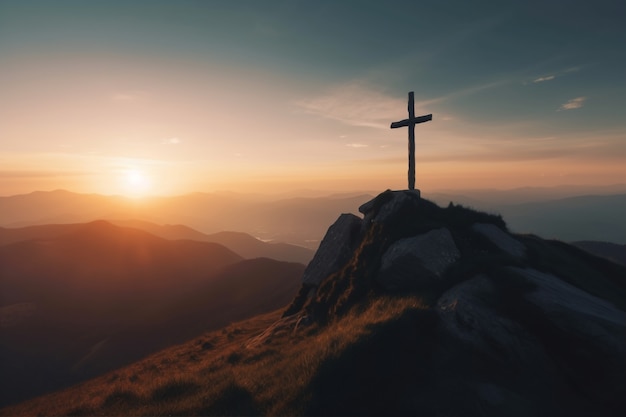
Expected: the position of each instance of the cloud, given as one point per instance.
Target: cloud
(555, 74)
(546, 78)
(357, 104)
(171, 141)
(357, 145)
(574, 103)
(42, 174)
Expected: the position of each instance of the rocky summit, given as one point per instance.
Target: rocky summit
(516, 325)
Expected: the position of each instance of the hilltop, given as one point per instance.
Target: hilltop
(413, 309)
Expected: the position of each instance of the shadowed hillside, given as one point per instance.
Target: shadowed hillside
(99, 296)
(413, 309)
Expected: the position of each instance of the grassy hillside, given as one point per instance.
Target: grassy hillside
(241, 370)
(101, 296)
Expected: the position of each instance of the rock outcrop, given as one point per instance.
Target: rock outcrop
(390, 205)
(523, 326)
(501, 239)
(417, 262)
(335, 249)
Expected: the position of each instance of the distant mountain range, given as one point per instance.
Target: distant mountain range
(553, 213)
(611, 251)
(80, 299)
(586, 217)
(241, 243)
(299, 221)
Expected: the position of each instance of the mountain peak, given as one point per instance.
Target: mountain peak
(513, 300)
(403, 243)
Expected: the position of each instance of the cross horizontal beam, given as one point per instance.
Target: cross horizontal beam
(413, 121)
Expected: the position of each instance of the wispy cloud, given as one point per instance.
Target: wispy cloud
(554, 74)
(171, 141)
(574, 103)
(357, 104)
(546, 78)
(357, 145)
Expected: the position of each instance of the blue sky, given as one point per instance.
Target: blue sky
(200, 95)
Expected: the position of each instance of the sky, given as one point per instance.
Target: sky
(169, 97)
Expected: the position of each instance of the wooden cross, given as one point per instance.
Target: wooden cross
(410, 123)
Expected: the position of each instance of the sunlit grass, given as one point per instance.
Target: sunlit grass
(212, 373)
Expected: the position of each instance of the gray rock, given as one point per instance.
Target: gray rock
(591, 334)
(417, 262)
(467, 318)
(501, 239)
(496, 349)
(575, 311)
(335, 249)
(387, 205)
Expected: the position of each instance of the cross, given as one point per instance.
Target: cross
(410, 123)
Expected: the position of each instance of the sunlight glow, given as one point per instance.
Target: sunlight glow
(137, 183)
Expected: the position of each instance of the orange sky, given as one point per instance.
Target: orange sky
(117, 99)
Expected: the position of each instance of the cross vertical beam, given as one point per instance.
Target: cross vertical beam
(410, 123)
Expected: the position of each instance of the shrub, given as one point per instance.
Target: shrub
(173, 389)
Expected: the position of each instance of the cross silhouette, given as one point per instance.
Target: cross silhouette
(410, 123)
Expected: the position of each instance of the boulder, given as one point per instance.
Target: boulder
(586, 335)
(335, 250)
(576, 312)
(467, 318)
(501, 239)
(388, 205)
(417, 262)
(498, 359)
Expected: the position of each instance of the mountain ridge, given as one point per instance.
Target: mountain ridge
(303, 221)
(241, 243)
(426, 311)
(98, 296)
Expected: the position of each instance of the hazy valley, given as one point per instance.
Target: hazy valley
(564, 213)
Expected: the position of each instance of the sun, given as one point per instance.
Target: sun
(137, 183)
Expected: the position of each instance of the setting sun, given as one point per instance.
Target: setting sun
(136, 183)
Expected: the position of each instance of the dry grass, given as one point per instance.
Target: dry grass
(217, 374)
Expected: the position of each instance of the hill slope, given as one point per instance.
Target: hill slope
(611, 251)
(100, 296)
(412, 310)
(241, 243)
